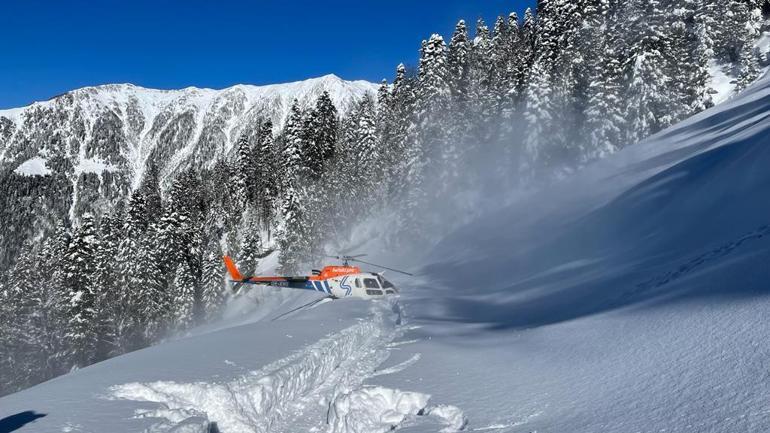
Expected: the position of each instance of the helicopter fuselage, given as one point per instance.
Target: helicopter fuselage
(356, 285)
(334, 281)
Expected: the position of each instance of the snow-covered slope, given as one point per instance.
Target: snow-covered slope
(113, 130)
(631, 298)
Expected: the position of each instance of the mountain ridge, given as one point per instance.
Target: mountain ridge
(12, 111)
(113, 131)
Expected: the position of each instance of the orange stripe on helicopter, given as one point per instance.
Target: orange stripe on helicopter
(335, 271)
(326, 273)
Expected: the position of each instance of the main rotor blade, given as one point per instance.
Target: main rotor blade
(346, 257)
(383, 267)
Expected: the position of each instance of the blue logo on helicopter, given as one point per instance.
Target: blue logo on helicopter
(346, 286)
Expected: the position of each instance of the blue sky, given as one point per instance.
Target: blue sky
(50, 47)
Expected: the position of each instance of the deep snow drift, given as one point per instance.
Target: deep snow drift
(631, 298)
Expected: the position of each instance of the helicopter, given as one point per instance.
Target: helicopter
(344, 281)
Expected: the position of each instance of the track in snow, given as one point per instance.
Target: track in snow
(320, 388)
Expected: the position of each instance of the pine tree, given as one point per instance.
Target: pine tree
(294, 241)
(267, 168)
(482, 90)
(250, 242)
(501, 67)
(105, 288)
(605, 119)
(459, 67)
(543, 130)
(326, 126)
(247, 176)
(700, 94)
(433, 101)
(150, 190)
(403, 117)
(79, 272)
(30, 327)
(214, 294)
(647, 98)
(527, 50)
(291, 157)
(367, 165)
(183, 297)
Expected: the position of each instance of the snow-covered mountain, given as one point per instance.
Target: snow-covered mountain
(631, 297)
(112, 131)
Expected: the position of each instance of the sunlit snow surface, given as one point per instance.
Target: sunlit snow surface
(33, 167)
(633, 298)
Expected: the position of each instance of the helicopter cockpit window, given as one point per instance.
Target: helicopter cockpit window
(385, 283)
(371, 283)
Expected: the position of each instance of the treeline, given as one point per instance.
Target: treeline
(533, 97)
(119, 283)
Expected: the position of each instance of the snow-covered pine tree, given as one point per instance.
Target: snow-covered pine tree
(605, 122)
(501, 69)
(749, 22)
(250, 247)
(79, 270)
(246, 175)
(433, 101)
(105, 288)
(22, 352)
(366, 165)
(428, 145)
(459, 61)
(150, 190)
(527, 50)
(326, 126)
(294, 239)
(311, 151)
(386, 132)
(482, 91)
(403, 118)
(183, 297)
(515, 66)
(267, 171)
(181, 236)
(701, 95)
(647, 98)
(543, 133)
(214, 287)
(459, 65)
(291, 156)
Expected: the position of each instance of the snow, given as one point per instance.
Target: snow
(33, 167)
(94, 165)
(722, 83)
(374, 409)
(13, 114)
(631, 297)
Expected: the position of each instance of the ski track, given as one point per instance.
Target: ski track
(320, 388)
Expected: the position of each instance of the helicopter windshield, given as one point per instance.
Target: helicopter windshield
(385, 283)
